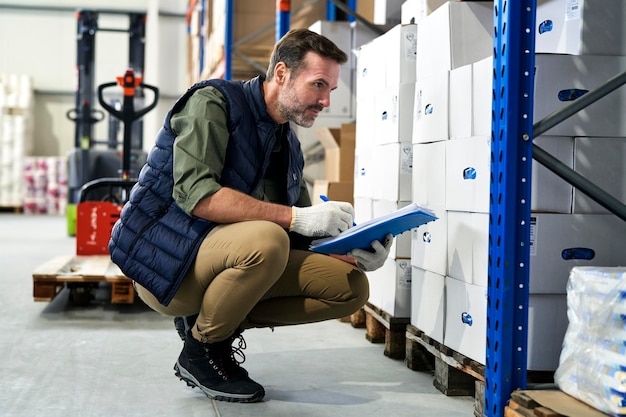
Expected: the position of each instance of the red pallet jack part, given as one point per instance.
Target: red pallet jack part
(94, 222)
(129, 82)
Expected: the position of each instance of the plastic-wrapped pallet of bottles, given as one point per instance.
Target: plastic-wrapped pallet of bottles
(16, 132)
(592, 365)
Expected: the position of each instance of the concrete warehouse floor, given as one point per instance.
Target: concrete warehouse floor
(106, 360)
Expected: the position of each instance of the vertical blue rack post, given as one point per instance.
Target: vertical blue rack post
(509, 219)
(283, 17)
(228, 39)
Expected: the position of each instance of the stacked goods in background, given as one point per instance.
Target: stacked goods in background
(45, 185)
(16, 136)
(383, 154)
(254, 35)
(448, 134)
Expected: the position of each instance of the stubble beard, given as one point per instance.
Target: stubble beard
(290, 108)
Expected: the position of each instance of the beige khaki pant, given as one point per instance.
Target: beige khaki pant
(245, 275)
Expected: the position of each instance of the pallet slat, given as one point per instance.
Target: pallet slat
(50, 277)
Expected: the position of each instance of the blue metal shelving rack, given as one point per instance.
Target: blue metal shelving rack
(509, 218)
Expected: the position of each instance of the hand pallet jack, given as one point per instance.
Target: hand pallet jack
(83, 273)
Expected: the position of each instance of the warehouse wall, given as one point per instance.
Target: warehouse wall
(38, 38)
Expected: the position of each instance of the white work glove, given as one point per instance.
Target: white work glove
(371, 261)
(321, 220)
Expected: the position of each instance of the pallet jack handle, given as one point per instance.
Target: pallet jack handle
(129, 82)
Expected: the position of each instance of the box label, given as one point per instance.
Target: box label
(572, 10)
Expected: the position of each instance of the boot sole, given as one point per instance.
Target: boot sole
(192, 382)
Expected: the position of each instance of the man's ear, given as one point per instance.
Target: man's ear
(281, 72)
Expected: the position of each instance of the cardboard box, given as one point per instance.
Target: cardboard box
(339, 151)
(393, 280)
(558, 242)
(482, 96)
(399, 44)
(429, 244)
(392, 166)
(394, 114)
(334, 190)
(370, 68)
(362, 209)
(431, 108)
(547, 324)
(468, 172)
(460, 102)
(429, 174)
(466, 325)
(456, 34)
(428, 304)
(364, 172)
(581, 27)
(466, 319)
(365, 121)
(468, 247)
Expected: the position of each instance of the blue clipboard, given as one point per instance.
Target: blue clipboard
(361, 236)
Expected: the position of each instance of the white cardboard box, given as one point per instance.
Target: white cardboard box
(466, 325)
(601, 161)
(460, 102)
(393, 171)
(466, 319)
(365, 122)
(393, 279)
(362, 209)
(468, 247)
(429, 174)
(581, 27)
(429, 244)
(364, 172)
(428, 307)
(547, 324)
(482, 97)
(455, 34)
(431, 108)
(468, 175)
(399, 45)
(393, 114)
(558, 242)
(370, 69)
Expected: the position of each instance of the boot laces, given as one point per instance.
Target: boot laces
(226, 359)
(234, 357)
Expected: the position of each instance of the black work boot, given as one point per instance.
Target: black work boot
(212, 367)
(184, 324)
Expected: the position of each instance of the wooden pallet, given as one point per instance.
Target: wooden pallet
(547, 403)
(382, 327)
(62, 271)
(454, 374)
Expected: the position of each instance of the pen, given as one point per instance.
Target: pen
(325, 199)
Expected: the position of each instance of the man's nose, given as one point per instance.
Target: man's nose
(325, 99)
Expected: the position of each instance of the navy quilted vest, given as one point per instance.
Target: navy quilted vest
(155, 242)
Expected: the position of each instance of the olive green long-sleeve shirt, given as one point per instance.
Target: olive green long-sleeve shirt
(202, 133)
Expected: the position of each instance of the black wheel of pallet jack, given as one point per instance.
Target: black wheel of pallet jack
(82, 294)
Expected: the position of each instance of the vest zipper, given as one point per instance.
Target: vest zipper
(143, 229)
